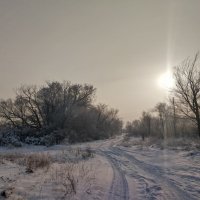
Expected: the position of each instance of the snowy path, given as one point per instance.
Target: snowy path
(152, 173)
(119, 186)
(157, 186)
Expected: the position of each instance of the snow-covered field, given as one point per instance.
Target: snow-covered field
(114, 172)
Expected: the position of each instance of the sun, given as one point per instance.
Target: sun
(166, 81)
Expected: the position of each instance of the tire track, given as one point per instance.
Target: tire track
(170, 189)
(119, 188)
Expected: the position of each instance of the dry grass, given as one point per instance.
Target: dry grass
(73, 155)
(131, 141)
(168, 143)
(38, 160)
(82, 153)
(71, 176)
(63, 176)
(32, 161)
(87, 153)
(12, 157)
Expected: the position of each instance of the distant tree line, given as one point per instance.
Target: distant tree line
(180, 116)
(57, 111)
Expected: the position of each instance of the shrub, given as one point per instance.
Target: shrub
(33, 141)
(9, 137)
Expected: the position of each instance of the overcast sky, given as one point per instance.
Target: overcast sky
(119, 46)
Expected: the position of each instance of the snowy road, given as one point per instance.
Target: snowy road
(151, 179)
(152, 173)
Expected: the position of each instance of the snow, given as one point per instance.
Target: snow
(114, 173)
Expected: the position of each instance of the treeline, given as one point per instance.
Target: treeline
(161, 123)
(54, 112)
(180, 116)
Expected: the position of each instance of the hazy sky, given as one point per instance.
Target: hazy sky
(119, 46)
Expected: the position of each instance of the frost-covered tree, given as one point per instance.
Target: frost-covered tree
(187, 89)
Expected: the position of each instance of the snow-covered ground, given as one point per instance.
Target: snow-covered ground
(114, 173)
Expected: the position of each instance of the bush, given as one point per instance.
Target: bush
(33, 141)
(9, 137)
(55, 137)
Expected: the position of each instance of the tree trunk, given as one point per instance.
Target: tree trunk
(198, 126)
(174, 117)
(197, 116)
(149, 127)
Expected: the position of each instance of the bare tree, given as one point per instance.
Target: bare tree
(57, 110)
(28, 106)
(60, 101)
(146, 124)
(107, 120)
(187, 89)
(7, 113)
(161, 109)
(24, 110)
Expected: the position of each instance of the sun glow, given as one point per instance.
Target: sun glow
(166, 81)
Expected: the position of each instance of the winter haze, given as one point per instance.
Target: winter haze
(121, 47)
